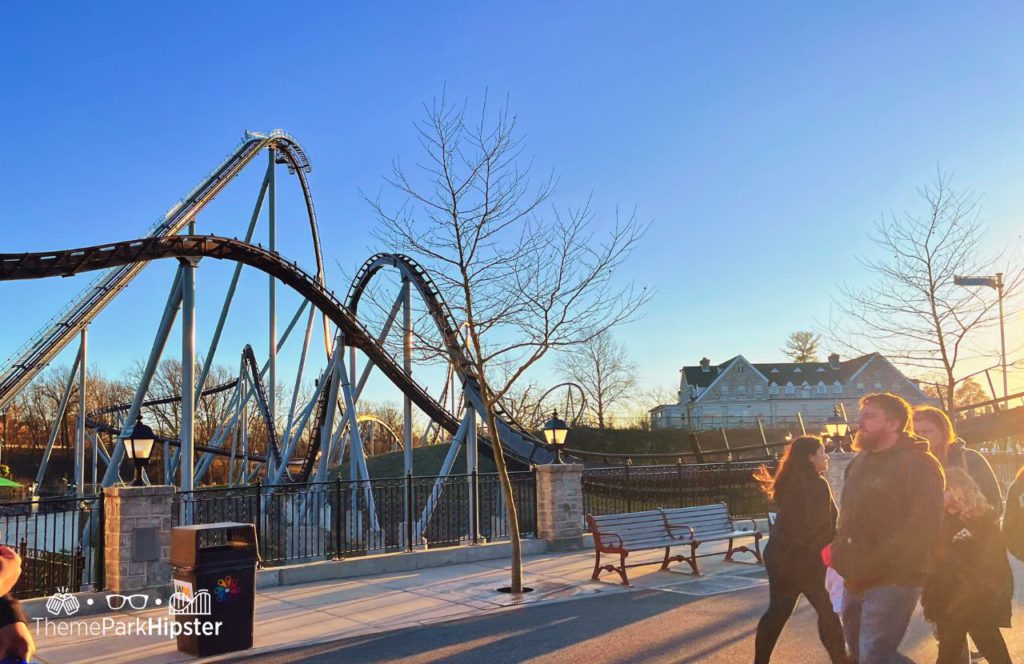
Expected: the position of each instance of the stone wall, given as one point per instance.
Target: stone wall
(137, 527)
(560, 505)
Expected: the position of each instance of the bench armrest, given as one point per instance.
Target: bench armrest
(680, 526)
(600, 543)
(753, 524)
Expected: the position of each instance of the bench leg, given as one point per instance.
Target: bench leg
(622, 569)
(693, 558)
(664, 564)
(757, 548)
(728, 554)
(597, 567)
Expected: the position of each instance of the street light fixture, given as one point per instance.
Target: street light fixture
(836, 427)
(138, 446)
(995, 283)
(555, 430)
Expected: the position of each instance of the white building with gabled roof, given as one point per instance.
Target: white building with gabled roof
(739, 393)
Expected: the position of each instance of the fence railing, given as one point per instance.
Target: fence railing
(637, 488)
(60, 541)
(1005, 464)
(343, 518)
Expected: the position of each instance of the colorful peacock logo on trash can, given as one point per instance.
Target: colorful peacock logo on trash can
(227, 589)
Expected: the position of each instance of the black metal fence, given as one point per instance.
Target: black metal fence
(637, 488)
(1005, 464)
(60, 541)
(343, 518)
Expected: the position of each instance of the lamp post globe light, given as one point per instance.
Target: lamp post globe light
(836, 428)
(138, 446)
(555, 430)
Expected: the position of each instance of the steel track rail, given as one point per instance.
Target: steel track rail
(75, 261)
(28, 361)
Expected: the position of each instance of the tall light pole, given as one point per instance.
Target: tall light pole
(995, 283)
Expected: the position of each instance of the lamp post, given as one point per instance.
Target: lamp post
(555, 430)
(138, 447)
(995, 283)
(836, 427)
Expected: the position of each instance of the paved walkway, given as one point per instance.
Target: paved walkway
(318, 613)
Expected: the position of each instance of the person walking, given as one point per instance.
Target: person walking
(970, 589)
(805, 523)
(890, 514)
(935, 426)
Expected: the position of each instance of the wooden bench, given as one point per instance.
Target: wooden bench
(712, 523)
(622, 534)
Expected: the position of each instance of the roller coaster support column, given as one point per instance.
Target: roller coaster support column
(163, 331)
(58, 417)
(358, 461)
(472, 468)
(407, 347)
(188, 377)
(80, 438)
(272, 343)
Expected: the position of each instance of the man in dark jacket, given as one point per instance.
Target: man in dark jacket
(889, 518)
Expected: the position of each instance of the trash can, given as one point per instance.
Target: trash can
(213, 567)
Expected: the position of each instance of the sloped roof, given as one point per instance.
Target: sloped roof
(700, 378)
(785, 372)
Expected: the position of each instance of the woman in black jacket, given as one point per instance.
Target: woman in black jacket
(805, 524)
(970, 589)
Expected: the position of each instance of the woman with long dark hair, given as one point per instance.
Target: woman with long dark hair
(804, 525)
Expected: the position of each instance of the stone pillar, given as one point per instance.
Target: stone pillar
(137, 528)
(560, 505)
(837, 463)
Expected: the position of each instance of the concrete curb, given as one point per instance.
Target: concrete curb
(389, 563)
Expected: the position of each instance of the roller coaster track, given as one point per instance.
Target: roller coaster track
(513, 435)
(521, 447)
(48, 342)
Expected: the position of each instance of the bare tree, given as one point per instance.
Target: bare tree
(803, 346)
(522, 282)
(913, 313)
(604, 371)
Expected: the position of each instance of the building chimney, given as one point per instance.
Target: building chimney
(833, 360)
(705, 365)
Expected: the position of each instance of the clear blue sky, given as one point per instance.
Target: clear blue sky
(762, 140)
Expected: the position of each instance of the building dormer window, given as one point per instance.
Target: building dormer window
(822, 388)
(805, 389)
(774, 370)
(773, 388)
(837, 388)
(798, 370)
(790, 388)
(820, 370)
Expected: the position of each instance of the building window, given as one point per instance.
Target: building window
(837, 388)
(822, 388)
(790, 388)
(860, 387)
(724, 391)
(773, 389)
(758, 390)
(805, 390)
(798, 370)
(774, 370)
(878, 386)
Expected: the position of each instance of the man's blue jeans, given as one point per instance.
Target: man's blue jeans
(876, 620)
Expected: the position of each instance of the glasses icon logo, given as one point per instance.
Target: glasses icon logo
(117, 602)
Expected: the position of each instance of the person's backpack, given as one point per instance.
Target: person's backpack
(1013, 519)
